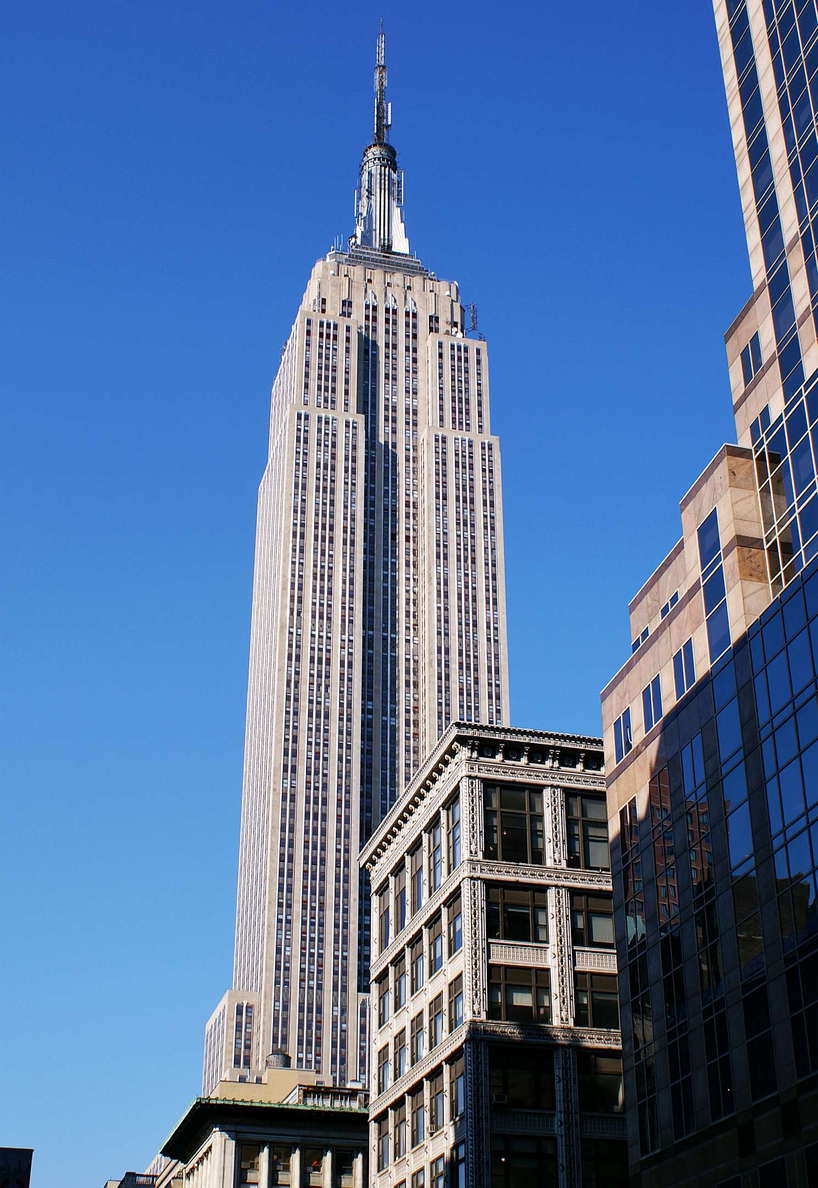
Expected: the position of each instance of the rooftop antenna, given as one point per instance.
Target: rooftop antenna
(383, 110)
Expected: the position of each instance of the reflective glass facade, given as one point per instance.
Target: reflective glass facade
(716, 899)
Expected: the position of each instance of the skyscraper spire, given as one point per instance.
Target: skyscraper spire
(383, 110)
(379, 199)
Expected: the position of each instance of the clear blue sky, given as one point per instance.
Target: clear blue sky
(170, 172)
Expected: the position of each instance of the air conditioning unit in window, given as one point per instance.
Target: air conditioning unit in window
(499, 1099)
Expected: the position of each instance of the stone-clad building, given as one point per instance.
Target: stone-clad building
(711, 726)
(495, 1055)
(378, 617)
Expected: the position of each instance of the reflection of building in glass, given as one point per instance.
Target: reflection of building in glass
(711, 727)
(495, 1044)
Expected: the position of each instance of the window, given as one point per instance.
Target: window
(399, 981)
(623, 738)
(597, 1004)
(312, 1166)
(438, 1172)
(346, 307)
(436, 1100)
(399, 1130)
(419, 1179)
(751, 359)
(435, 945)
(279, 1165)
(435, 858)
(592, 921)
(521, 1080)
(587, 833)
(640, 639)
(455, 836)
(713, 587)
(521, 1162)
(516, 913)
(684, 671)
(600, 1083)
(416, 958)
(669, 605)
(436, 1021)
(459, 1166)
(454, 913)
(519, 995)
(457, 1087)
(514, 824)
(382, 1141)
(418, 1038)
(400, 899)
(383, 1069)
(249, 1163)
(383, 918)
(400, 1053)
(416, 871)
(709, 540)
(383, 1000)
(418, 1117)
(652, 703)
(456, 1002)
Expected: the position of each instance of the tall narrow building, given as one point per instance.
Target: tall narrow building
(711, 725)
(378, 618)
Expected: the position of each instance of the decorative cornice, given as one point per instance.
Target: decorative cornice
(468, 735)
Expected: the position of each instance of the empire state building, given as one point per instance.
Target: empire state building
(378, 618)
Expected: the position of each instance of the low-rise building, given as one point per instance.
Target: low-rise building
(286, 1130)
(495, 1049)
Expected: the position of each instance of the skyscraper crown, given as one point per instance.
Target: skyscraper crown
(379, 198)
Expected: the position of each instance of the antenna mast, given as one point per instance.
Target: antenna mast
(383, 114)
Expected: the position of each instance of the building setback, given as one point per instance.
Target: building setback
(495, 1058)
(378, 617)
(711, 727)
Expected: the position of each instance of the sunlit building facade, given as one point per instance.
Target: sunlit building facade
(496, 1057)
(711, 727)
(378, 617)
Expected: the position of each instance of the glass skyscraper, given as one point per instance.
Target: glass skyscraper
(378, 618)
(711, 726)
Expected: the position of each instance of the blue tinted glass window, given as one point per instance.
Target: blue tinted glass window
(783, 315)
(774, 806)
(801, 670)
(778, 683)
(739, 835)
(743, 53)
(746, 365)
(807, 719)
(809, 765)
(773, 633)
(622, 735)
(718, 632)
(652, 703)
(794, 615)
(728, 729)
(797, 422)
(713, 590)
(792, 792)
(755, 351)
(709, 543)
(786, 744)
(802, 468)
